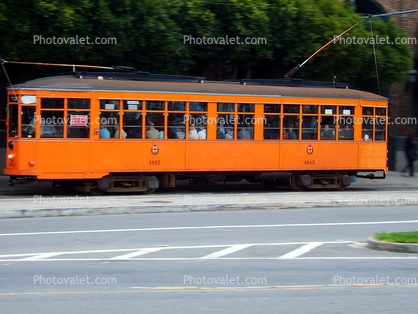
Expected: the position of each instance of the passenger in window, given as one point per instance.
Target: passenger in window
(193, 133)
(151, 132)
(117, 132)
(229, 133)
(244, 134)
(135, 133)
(179, 133)
(327, 133)
(346, 133)
(201, 134)
(104, 132)
(220, 135)
(290, 135)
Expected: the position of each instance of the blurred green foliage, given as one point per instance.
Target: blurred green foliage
(150, 35)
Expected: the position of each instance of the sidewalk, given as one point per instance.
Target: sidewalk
(363, 192)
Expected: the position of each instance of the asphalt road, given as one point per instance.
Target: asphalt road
(266, 261)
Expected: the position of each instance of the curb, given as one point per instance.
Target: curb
(392, 247)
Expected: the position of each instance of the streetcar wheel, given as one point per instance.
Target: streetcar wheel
(341, 188)
(150, 191)
(97, 192)
(295, 184)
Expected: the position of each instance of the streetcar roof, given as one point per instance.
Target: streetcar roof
(75, 83)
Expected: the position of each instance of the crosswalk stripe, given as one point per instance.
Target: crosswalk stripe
(137, 253)
(226, 251)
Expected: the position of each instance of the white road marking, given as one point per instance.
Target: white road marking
(301, 250)
(226, 251)
(213, 227)
(137, 253)
(132, 254)
(134, 251)
(40, 256)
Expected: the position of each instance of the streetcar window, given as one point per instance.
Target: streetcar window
(177, 106)
(198, 122)
(346, 128)
(309, 127)
(381, 112)
(78, 124)
(291, 108)
(27, 128)
(198, 106)
(226, 107)
(52, 103)
(246, 107)
(367, 128)
(328, 109)
(368, 111)
(328, 129)
(310, 109)
(52, 124)
(272, 108)
(346, 110)
(132, 124)
(177, 125)
(109, 124)
(13, 120)
(154, 125)
(291, 127)
(245, 127)
(271, 127)
(225, 126)
(380, 129)
(132, 105)
(78, 103)
(109, 104)
(155, 105)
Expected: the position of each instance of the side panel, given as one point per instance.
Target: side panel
(373, 156)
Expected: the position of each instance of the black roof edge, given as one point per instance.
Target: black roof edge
(290, 82)
(138, 76)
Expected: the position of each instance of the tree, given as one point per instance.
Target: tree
(151, 34)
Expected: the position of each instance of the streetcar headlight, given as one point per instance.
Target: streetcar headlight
(11, 156)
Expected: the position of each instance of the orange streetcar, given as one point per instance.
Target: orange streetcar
(115, 132)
